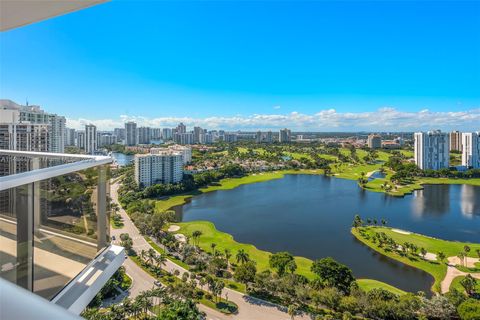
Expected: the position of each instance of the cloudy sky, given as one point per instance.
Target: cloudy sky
(314, 65)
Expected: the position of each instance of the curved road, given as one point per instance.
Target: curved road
(249, 308)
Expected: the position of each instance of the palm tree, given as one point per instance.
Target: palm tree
(466, 248)
(242, 256)
(461, 256)
(469, 283)
(151, 255)
(424, 252)
(384, 222)
(441, 256)
(228, 255)
(196, 235)
(143, 255)
(159, 260)
(213, 245)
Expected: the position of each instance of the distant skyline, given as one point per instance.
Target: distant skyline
(313, 66)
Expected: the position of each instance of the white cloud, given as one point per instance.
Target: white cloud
(276, 107)
(384, 119)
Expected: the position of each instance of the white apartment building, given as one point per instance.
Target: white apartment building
(16, 113)
(131, 133)
(69, 137)
(432, 150)
(163, 167)
(285, 135)
(374, 141)
(91, 142)
(144, 135)
(166, 133)
(471, 149)
(230, 137)
(185, 151)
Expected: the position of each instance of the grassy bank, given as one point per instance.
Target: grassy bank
(369, 284)
(432, 245)
(225, 241)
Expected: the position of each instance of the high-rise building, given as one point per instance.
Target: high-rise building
(165, 166)
(69, 137)
(181, 128)
(166, 134)
(185, 151)
(197, 131)
(144, 135)
(80, 141)
(230, 137)
(374, 141)
(432, 150)
(156, 133)
(131, 133)
(183, 138)
(106, 139)
(120, 133)
(471, 149)
(91, 142)
(285, 135)
(35, 115)
(455, 141)
(24, 137)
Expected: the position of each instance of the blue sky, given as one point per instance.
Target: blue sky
(224, 63)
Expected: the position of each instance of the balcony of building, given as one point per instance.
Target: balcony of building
(54, 226)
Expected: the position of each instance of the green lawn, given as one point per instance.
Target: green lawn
(225, 241)
(433, 245)
(369, 284)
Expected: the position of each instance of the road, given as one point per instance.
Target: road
(249, 308)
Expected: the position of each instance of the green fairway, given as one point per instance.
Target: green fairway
(369, 284)
(432, 245)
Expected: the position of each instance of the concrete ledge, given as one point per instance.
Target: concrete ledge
(83, 288)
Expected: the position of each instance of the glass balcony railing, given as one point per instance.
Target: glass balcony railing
(54, 214)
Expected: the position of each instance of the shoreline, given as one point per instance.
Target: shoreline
(438, 270)
(232, 183)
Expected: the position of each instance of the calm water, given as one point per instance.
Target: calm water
(122, 159)
(311, 216)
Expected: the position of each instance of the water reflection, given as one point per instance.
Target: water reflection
(433, 200)
(469, 201)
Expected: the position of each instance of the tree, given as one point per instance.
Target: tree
(245, 272)
(292, 310)
(469, 310)
(469, 283)
(333, 274)
(280, 260)
(423, 251)
(196, 235)
(461, 257)
(357, 221)
(242, 256)
(466, 249)
(178, 309)
(213, 245)
(228, 255)
(441, 256)
(384, 222)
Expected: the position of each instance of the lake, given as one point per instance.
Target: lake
(122, 159)
(311, 216)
